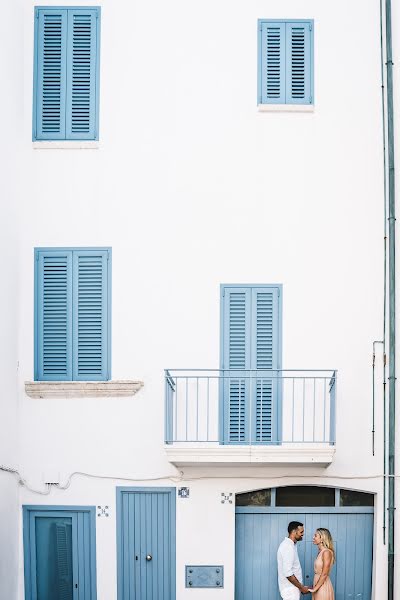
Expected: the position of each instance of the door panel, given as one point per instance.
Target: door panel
(258, 536)
(59, 554)
(53, 548)
(146, 548)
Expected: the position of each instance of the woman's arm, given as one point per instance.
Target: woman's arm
(326, 566)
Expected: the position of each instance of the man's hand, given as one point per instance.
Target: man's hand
(304, 590)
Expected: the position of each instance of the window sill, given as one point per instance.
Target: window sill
(304, 108)
(119, 388)
(65, 145)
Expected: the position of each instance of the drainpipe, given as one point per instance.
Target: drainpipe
(385, 220)
(392, 299)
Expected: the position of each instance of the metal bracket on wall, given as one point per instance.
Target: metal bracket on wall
(183, 492)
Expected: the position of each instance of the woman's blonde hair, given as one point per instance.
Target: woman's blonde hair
(327, 541)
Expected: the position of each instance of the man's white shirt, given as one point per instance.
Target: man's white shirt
(288, 564)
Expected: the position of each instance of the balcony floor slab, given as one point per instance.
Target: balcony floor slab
(219, 455)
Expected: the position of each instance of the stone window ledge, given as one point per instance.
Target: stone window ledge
(303, 108)
(118, 388)
(66, 145)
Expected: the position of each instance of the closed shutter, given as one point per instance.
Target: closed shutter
(50, 84)
(72, 333)
(265, 352)
(66, 82)
(54, 316)
(286, 62)
(63, 556)
(237, 307)
(82, 68)
(250, 363)
(90, 321)
(273, 63)
(298, 63)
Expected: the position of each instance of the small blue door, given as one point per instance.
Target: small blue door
(146, 543)
(258, 535)
(59, 548)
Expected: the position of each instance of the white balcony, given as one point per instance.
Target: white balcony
(250, 417)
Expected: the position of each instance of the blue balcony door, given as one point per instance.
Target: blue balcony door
(258, 535)
(146, 543)
(251, 358)
(59, 555)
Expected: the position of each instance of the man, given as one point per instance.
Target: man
(290, 577)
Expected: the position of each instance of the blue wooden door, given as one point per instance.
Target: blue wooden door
(250, 360)
(258, 536)
(146, 544)
(59, 555)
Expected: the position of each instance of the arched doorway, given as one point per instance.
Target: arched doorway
(262, 517)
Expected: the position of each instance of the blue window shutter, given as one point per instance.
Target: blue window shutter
(50, 74)
(236, 356)
(265, 352)
(272, 63)
(251, 332)
(91, 315)
(53, 335)
(82, 78)
(299, 63)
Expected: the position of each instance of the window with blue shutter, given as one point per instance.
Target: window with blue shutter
(285, 62)
(72, 314)
(250, 363)
(66, 73)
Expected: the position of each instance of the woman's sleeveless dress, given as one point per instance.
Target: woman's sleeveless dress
(325, 592)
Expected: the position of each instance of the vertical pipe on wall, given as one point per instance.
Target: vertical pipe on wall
(392, 300)
(384, 267)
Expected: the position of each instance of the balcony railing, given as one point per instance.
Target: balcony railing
(250, 407)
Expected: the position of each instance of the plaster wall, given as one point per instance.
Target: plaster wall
(11, 109)
(192, 186)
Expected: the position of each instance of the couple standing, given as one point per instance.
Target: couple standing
(290, 577)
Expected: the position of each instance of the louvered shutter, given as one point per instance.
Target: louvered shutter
(63, 585)
(236, 357)
(264, 343)
(53, 316)
(251, 359)
(50, 83)
(91, 315)
(272, 63)
(298, 63)
(82, 56)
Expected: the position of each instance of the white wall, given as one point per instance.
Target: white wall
(11, 108)
(192, 187)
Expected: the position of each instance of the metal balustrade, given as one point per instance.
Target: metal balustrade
(215, 406)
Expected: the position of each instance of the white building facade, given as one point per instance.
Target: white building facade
(214, 240)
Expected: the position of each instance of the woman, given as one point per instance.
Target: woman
(323, 589)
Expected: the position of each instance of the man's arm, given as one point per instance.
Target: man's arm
(294, 581)
(287, 569)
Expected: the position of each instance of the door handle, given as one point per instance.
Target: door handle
(149, 557)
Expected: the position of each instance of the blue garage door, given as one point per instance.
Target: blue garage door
(260, 530)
